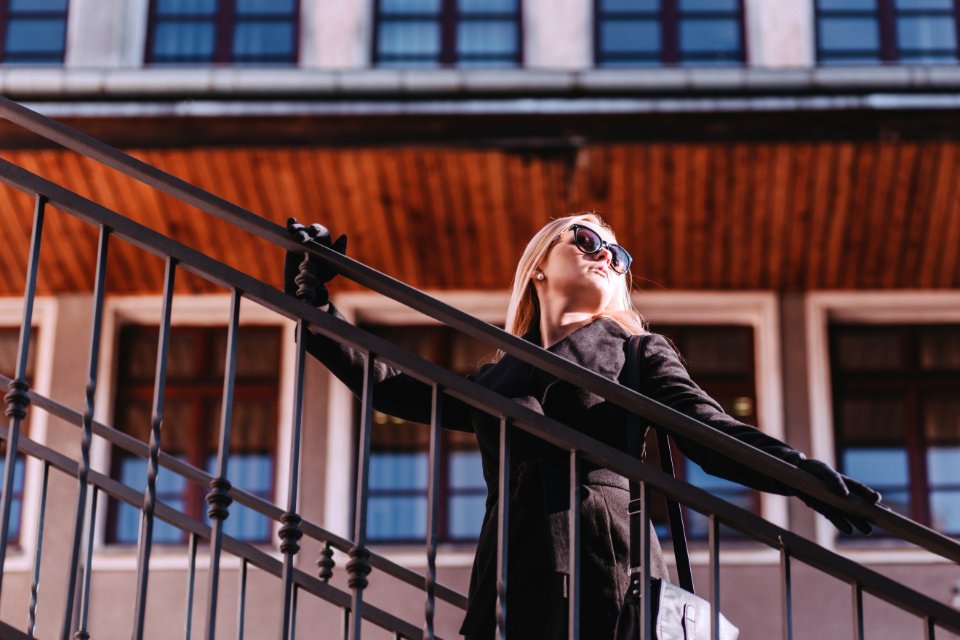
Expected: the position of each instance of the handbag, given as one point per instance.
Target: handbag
(675, 612)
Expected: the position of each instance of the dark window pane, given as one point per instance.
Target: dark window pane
(943, 466)
(487, 38)
(709, 36)
(877, 467)
(38, 5)
(927, 32)
(848, 5)
(398, 470)
(35, 35)
(630, 36)
(192, 40)
(173, 7)
(873, 420)
(710, 5)
(849, 34)
(397, 518)
(266, 6)
(466, 516)
(466, 471)
(940, 348)
(945, 511)
(410, 6)
(252, 473)
(870, 350)
(941, 419)
(16, 501)
(719, 350)
(630, 5)
(487, 6)
(265, 39)
(408, 38)
(945, 5)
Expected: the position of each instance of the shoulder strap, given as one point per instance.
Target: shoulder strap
(634, 445)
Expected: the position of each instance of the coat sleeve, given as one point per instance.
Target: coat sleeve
(394, 392)
(666, 380)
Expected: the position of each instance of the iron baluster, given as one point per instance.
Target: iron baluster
(358, 567)
(293, 613)
(37, 554)
(503, 526)
(290, 531)
(150, 495)
(573, 585)
(242, 598)
(858, 610)
(787, 591)
(82, 633)
(16, 398)
(714, 543)
(219, 498)
(191, 582)
(83, 470)
(643, 500)
(326, 562)
(430, 582)
(929, 628)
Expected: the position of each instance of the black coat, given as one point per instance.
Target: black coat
(537, 550)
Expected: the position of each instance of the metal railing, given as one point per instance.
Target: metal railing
(292, 527)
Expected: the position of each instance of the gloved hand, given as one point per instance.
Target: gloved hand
(840, 485)
(303, 275)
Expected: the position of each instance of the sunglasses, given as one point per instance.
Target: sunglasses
(589, 242)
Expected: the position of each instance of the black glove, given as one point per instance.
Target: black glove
(303, 275)
(840, 485)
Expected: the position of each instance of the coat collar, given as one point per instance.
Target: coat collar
(598, 346)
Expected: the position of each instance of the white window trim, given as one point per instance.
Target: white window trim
(866, 307)
(195, 310)
(44, 321)
(759, 310)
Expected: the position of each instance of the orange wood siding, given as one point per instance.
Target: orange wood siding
(782, 216)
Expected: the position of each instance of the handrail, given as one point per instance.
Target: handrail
(671, 420)
(485, 399)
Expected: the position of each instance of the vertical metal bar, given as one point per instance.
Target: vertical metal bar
(17, 399)
(858, 611)
(787, 592)
(82, 633)
(573, 584)
(191, 581)
(714, 542)
(359, 566)
(153, 467)
(433, 492)
(219, 497)
(38, 553)
(503, 526)
(290, 532)
(293, 613)
(646, 624)
(929, 629)
(83, 469)
(242, 597)
(345, 624)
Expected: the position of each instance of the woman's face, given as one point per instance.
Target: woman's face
(586, 278)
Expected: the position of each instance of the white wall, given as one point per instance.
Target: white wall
(779, 33)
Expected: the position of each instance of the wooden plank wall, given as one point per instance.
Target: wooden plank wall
(717, 216)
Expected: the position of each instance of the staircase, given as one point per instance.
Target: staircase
(342, 591)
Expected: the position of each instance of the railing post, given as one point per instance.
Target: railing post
(38, 553)
(573, 588)
(646, 624)
(432, 511)
(358, 567)
(858, 611)
(83, 469)
(503, 526)
(153, 465)
(714, 542)
(787, 591)
(82, 633)
(191, 582)
(290, 531)
(219, 496)
(16, 398)
(242, 599)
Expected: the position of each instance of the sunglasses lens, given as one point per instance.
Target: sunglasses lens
(619, 259)
(587, 241)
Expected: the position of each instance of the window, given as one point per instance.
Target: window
(874, 31)
(223, 31)
(897, 415)
(657, 32)
(399, 464)
(432, 33)
(33, 31)
(9, 343)
(720, 360)
(195, 370)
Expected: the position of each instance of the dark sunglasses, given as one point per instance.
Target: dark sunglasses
(590, 242)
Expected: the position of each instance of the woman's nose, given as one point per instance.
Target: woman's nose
(604, 254)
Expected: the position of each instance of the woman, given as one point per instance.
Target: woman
(571, 295)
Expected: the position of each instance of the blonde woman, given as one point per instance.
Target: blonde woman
(571, 296)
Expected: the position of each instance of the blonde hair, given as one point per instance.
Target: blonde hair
(523, 310)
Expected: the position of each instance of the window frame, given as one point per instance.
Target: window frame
(670, 20)
(887, 15)
(224, 21)
(448, 19)
(6, 14)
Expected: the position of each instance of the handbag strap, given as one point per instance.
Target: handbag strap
(635, 447)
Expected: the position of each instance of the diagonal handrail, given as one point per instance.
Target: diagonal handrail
(671, 420)
(484, 399)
